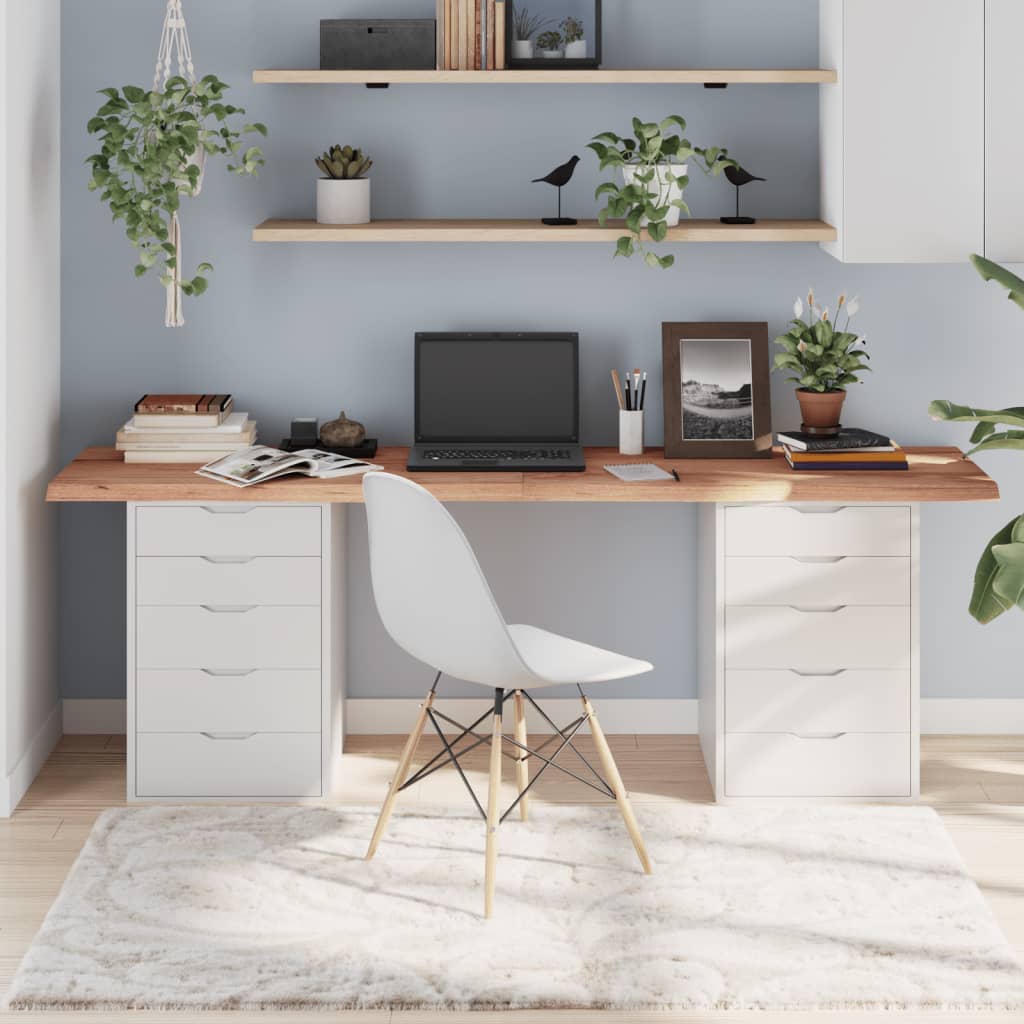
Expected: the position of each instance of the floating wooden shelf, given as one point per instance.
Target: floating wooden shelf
(533, 231)
(542, 76)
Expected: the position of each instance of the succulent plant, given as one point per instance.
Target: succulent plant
(550, 40)
(572, 29)
(343, 163)
(525, 24)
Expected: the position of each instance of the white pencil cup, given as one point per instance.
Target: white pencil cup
(631, 432)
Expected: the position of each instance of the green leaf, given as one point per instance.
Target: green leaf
(133, 94)
(986, 603)
(1006, 440)
(658, 230)
(981, 431)
(994, 272)
(140, 269)
(948, 411)
(1008, 582)
(624, 246)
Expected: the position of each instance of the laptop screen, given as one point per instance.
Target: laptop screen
(497, 387)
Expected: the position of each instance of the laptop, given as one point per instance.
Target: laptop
(497, 402)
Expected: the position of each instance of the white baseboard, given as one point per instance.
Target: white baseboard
(84, 717)
(14, 786)
(939, 715)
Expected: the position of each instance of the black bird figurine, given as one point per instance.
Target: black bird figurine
(559, 177)
(739, 177)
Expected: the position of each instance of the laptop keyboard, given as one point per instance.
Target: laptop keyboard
(498, 454)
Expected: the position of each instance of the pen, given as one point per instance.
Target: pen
(629, 403)
(643, 391)
(676, 475)
(636, 389)
(618, 389)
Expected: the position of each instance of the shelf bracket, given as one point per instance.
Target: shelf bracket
(716, 85)
(378, 85)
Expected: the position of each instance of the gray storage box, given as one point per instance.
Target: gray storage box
(390, 45)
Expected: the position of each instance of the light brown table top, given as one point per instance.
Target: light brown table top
(936, 474)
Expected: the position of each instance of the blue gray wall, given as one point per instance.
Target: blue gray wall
(304, 330)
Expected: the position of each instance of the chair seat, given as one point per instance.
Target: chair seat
(556, 660)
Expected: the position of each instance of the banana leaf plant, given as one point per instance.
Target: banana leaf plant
(999, 579)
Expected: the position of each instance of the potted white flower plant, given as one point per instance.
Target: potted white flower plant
(824, 359)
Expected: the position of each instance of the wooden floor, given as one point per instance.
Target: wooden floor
(976, 783)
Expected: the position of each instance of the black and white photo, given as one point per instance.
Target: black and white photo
(717, 389)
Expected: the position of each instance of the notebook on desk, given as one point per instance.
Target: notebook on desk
(497, 402)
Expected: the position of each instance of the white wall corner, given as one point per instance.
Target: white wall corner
(15, 785)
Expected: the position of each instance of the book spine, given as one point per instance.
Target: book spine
(448, 22)
(439, 34)
(478, 62)
(499, 35)
(490, 35)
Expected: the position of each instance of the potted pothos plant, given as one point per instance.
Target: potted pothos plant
(825, 359)
(153, 146)
(653, 162)
(999, 579)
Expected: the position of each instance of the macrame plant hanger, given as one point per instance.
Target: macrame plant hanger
(176, 48)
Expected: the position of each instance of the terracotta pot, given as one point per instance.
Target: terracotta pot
(821, 409)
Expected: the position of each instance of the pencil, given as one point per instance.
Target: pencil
(618, 389)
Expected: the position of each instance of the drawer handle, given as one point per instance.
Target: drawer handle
(812, 609)
(818, 735)
(229, 510)
(228, 609)
(834, 672)
(228, 672)
(825, 511)
(818, 559)
(227, 559)
(228, 735)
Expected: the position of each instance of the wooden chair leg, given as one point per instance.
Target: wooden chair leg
(522, 764)
(611, 770)
(493, 813)
(401, 773)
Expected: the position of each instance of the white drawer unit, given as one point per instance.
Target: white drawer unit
(227, 636)
(228, 580)
(208, 700)
(809, 651)
(235, 656)
(225, 764)
(817, 639)
(871, 764)
(827, 581)
(229, 529)
(784, 700)
(817, 531)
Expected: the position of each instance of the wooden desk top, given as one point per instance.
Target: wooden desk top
(936, 474)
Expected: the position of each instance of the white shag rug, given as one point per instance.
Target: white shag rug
(273, 907)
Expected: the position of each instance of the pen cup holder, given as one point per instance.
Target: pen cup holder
(631, 433)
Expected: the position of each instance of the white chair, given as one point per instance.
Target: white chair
(436, 605)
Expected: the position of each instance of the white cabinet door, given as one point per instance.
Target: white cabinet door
(903, 179)
(1004, 141)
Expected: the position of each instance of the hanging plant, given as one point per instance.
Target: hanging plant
(152, 149)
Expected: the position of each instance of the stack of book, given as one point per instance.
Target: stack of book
(185, 428)
(471, 35)
(851, 448)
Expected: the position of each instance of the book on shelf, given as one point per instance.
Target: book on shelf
(233, 423)
(499, 35)
(852, 460)
(489, 28)
(183, 404)
(259, 463)
(167, 441)
(848, 439)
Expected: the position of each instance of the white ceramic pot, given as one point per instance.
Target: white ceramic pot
(576, 50)
(631, 432)
(663, 190)
(552, 54)
(522, 49)
(343, 202)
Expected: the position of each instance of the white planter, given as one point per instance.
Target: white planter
(343, 202)
(522, 49)
(551, 54)
(576, 50)
(663, 190)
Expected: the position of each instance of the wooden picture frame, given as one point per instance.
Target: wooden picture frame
(725, 370)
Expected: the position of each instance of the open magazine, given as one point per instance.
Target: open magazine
(260, 463)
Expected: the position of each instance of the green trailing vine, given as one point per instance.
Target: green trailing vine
(147, 162)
